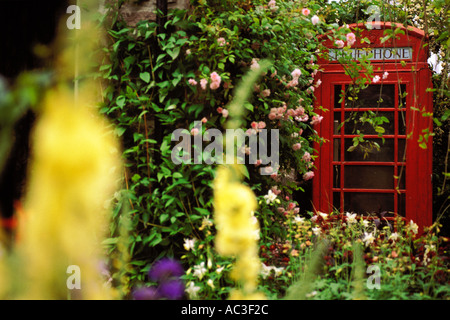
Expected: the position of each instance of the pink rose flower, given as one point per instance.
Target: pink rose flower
(203, 83)
(306, 11)
(221, 41)
(194, 131)
(265, 93)
(316, 119)
(225, 113)
(254, 65)
(215, 77)
(275, 190)
(268, 170)
(296, 73)
(351, 38)
(308, 175)
(214, 85)
(192, 82)
(296, 146)
(315, 20)
(306, 157)
(339, 43)
(292, 83)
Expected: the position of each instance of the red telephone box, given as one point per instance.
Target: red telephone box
(354, 176)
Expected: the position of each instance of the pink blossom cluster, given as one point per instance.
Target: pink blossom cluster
(256, 127)
(351, 38)
(194, 131)
(298, 114)
(316, 119)
(275, 190)
(295, 75)
(296, 146)
(269, 170)
(306, 156)
(278, 113)
(221, 41)
(291, 209)
(310, 90)
(255, 64)
(308, 175)
(272, 5)
(223, 111)
(315, 20)
(215, 80)
(203, 83)
(339, 43)
(265, 93)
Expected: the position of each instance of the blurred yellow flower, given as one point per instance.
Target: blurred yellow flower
(234, 204)
(74, 172)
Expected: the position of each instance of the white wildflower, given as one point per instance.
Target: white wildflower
(413, 227)
(298, 219)
(351, 218)
(394, 236)
(368, 238)
(192, 290)
(270, 197)
(199, 270)
(189, 244)
(317, 231)
(323, 215)
(210, 283)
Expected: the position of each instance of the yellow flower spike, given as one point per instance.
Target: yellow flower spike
(233, 207)
(74, 170)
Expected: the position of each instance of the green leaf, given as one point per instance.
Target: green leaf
(120, 101)
(177, 175)
(174, 53)
(379, 129)
(163, 217)
(248, 106)
(203, 211)
(135, 178)
(145, 76)
(120, 131)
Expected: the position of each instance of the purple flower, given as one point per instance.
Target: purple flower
(172, 290)
(146, 293)
(165, 269)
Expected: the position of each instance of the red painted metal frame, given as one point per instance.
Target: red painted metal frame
(416, 75)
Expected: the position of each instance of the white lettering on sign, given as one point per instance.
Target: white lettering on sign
(404, 53)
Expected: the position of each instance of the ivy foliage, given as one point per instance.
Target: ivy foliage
(150, 71)
(154, 75)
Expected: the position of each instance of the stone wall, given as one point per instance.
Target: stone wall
(133, 11)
